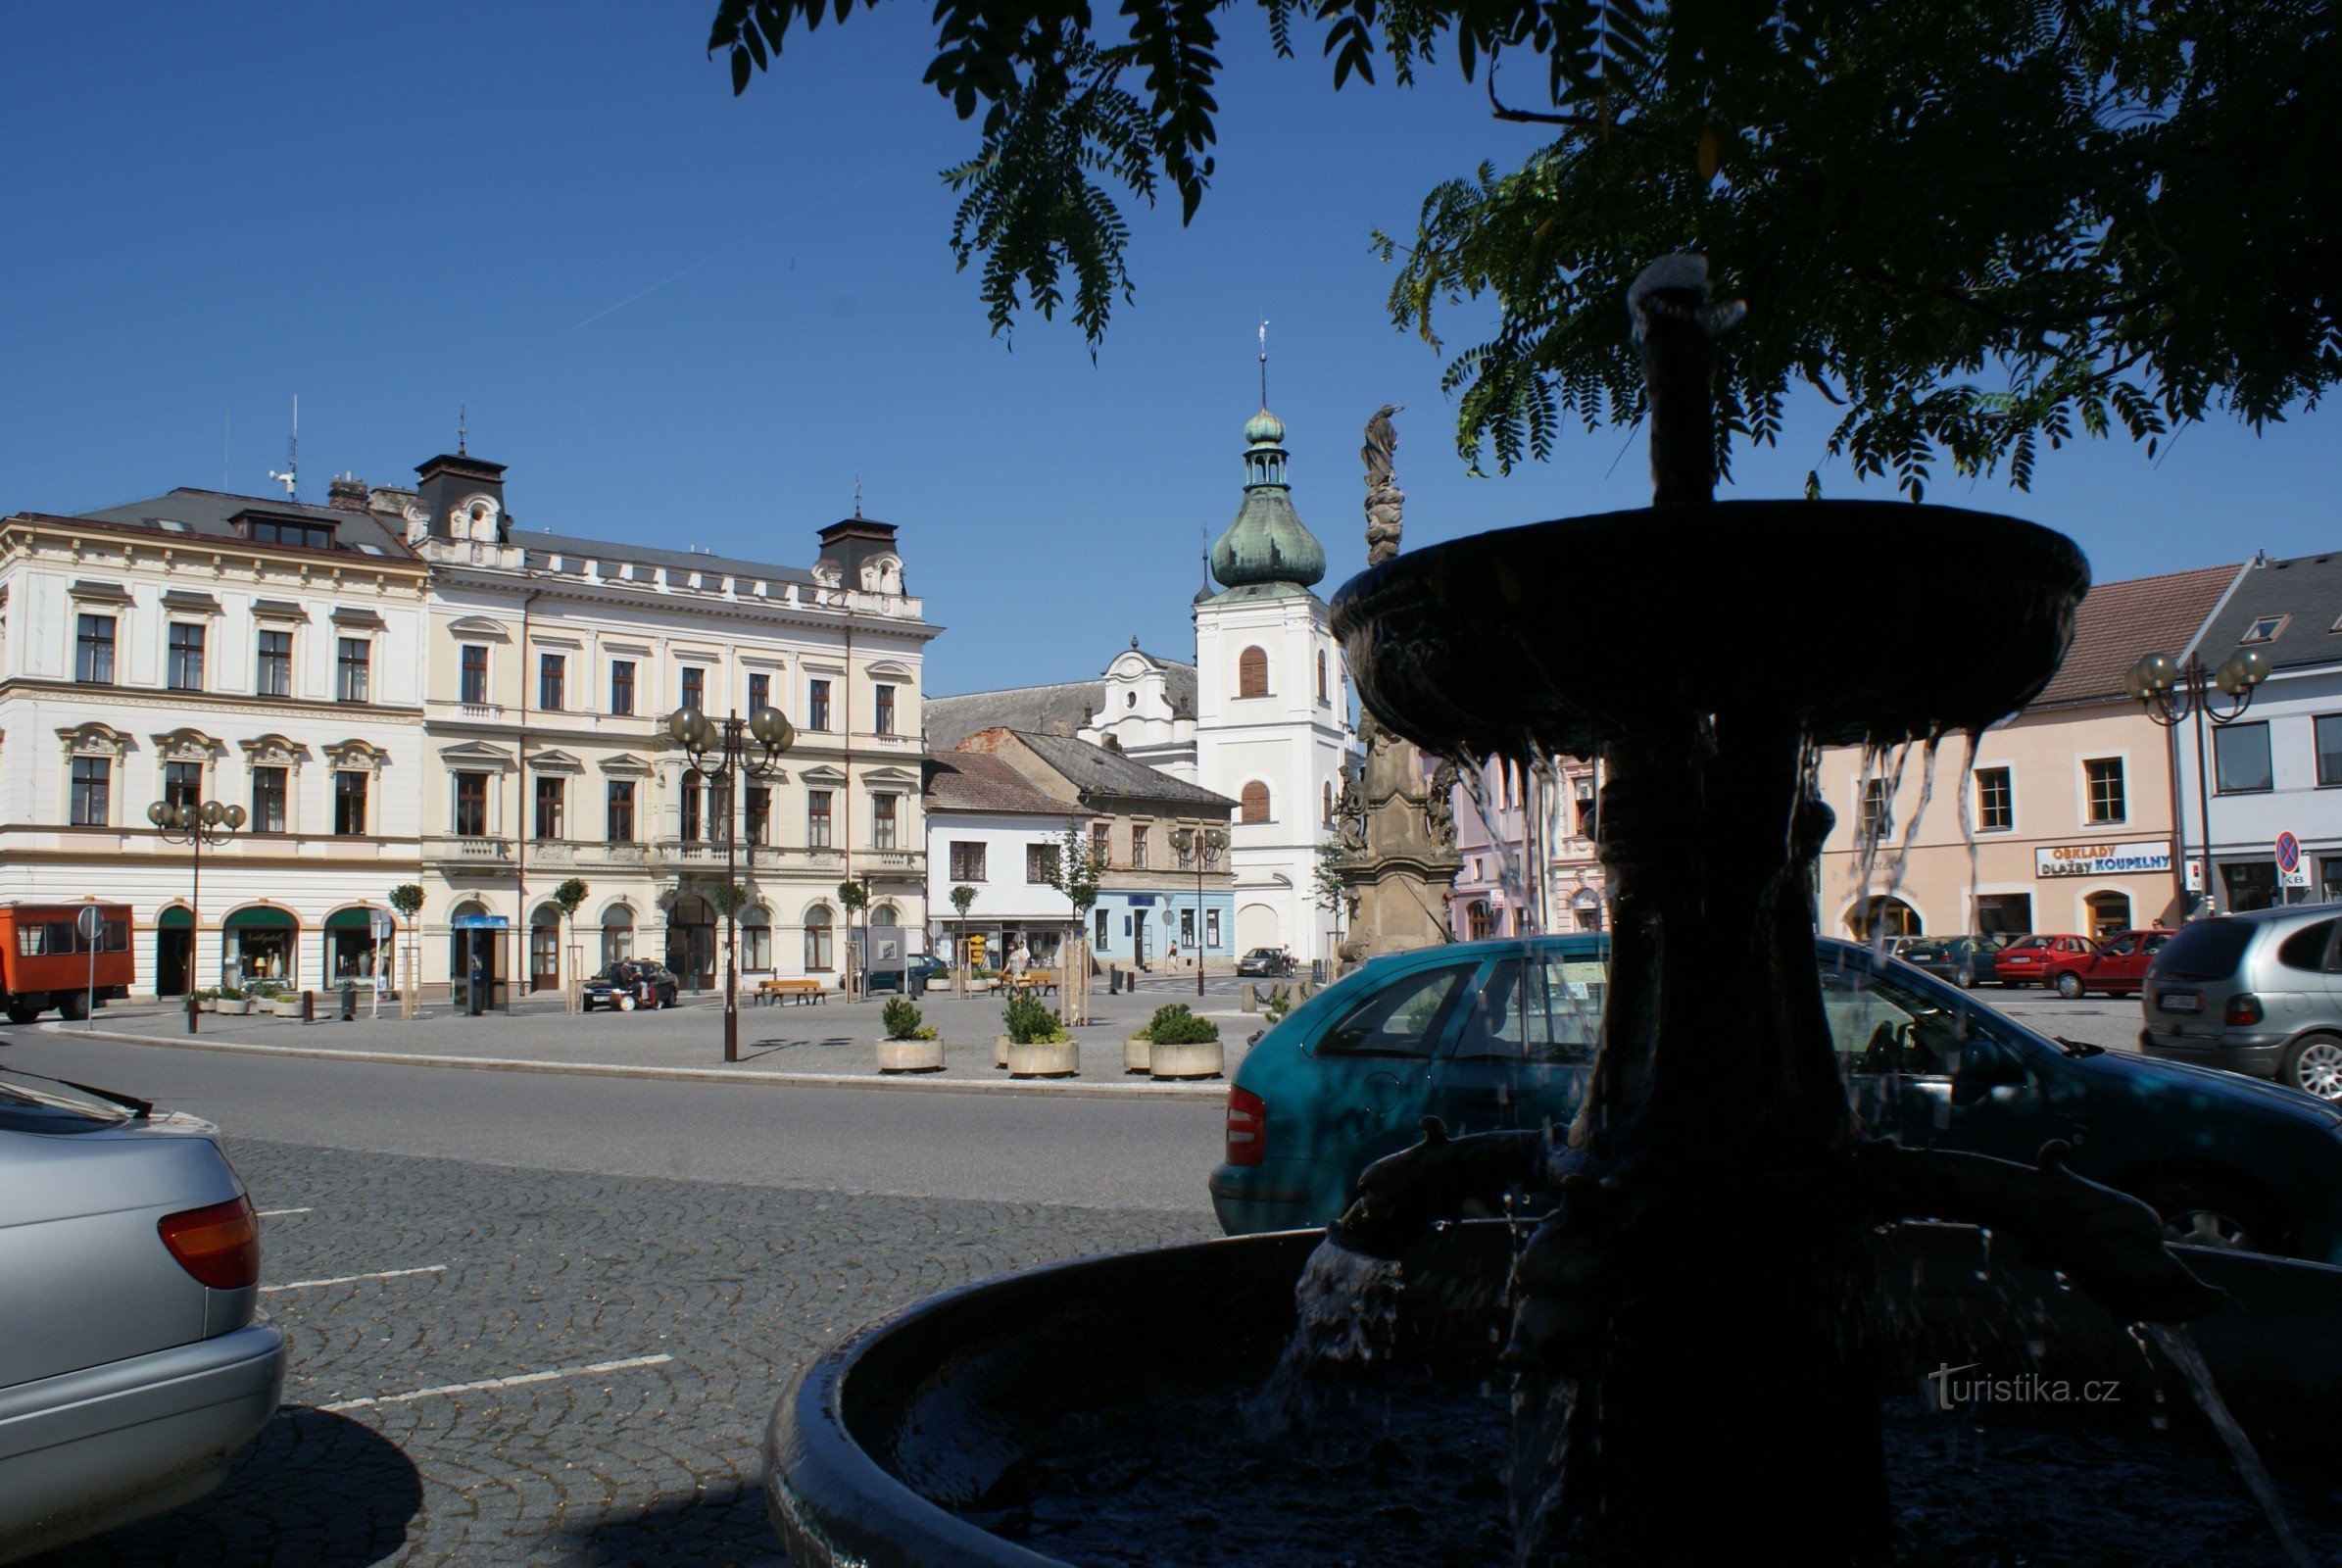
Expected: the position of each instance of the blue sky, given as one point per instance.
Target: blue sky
(682, 318)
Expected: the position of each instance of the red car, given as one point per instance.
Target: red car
(2120, 965)
(2025, 960)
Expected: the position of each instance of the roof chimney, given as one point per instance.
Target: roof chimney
(348, 493)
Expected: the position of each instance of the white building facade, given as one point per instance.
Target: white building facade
(202, 647)
(991, 831)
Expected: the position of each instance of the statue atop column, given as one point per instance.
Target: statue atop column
(1385, 500)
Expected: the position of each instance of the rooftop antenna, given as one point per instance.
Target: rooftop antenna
(857, 495)
(1264, 362)
(291, 478)
(462, 429)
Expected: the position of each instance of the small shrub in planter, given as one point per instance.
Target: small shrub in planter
(1029, 1024)
(1280, 1004)
(901, 1020)
(1175, 1025)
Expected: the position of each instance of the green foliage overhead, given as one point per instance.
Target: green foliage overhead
(408, 899)
(570, 895)
(963, 899)
(1977, 226)
(854, 894)
(1074, 871)
(729, 898)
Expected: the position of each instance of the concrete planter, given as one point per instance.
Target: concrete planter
(1000, 1051)
(285, 1007)
(910, 1056)
(1060, 1060)
(1137, 1054)
(233, 1007)
(1205, 1058)
(207, 1003)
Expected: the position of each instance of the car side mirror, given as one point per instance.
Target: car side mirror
(1983, 1063)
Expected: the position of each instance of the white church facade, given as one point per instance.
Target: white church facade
(1262, 715)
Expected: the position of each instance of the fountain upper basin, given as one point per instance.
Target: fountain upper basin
(1904, 620)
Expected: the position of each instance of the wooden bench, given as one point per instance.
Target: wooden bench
(791, 990)
(1036, 984)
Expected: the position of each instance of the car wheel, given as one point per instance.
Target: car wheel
(2206, 1212)
(625, 1001)
(74, 1005)
(2313, 1065)
(18, 1012)
(2069, 986)
(1965, 979)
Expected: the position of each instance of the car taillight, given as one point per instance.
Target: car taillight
(221, 1245)
(2242, 1010)
(1247, 1128)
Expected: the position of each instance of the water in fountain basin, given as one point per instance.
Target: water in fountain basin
(1345, 1315)
(2179, 1347)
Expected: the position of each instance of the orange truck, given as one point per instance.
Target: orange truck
(47, 961)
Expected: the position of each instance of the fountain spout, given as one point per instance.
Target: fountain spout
(1400, 1197)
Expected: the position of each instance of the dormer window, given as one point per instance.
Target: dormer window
(302, 533)
(2263, 630)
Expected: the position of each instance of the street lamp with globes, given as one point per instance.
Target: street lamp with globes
(1206, 844)
(720, 750)
(2173, 693)
(185, 823)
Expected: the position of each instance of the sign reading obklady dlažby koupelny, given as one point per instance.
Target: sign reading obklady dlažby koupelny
(2102, 860)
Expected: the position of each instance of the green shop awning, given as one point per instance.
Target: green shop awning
(262, 919)
(350, 919)
(174, 919)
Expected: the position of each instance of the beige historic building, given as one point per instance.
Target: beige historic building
(197, 646)
(553, 662)
(2069, 803)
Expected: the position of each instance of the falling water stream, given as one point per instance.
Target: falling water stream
(2180, 1347)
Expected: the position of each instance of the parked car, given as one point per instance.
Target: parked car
(2259, 992)
(930, 972)
(134, 1361)
(1488, 1035)
(1264, 963)
(2118, 966)
(627, 985)
(1965, 960)
(2025, 961)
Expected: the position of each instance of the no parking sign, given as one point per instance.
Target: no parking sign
(2290, 870)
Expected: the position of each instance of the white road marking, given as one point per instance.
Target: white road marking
(486, 1383)
(273, 1213)
(354, 1279)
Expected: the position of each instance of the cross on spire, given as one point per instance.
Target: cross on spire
(1264, 361)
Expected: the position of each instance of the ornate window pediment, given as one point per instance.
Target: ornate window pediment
(272, 751)
(186, 746)
(95, 740)
(824, 775)
(892, 669)
(475, 757)
(481, 628)
(624, 765)
(355, 756)
(554, 761)
(894, 778)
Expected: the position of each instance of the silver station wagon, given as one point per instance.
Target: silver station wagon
(2258, 993)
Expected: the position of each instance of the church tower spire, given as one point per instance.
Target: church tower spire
(1266, 551)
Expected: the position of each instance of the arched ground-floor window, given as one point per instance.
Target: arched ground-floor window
(1898, 918)
(617, 934)
(820, 955)
(755, 939)
(2108, 912)
(1480, 922)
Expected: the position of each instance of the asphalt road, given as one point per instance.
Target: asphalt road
(994, 1147)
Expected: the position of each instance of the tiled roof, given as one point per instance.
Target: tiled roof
(974, 781)
(205, 514)
(2304, 590)
(1096, 772)
(1028, 709)
(2120, 623)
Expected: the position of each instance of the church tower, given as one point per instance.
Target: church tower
(1272, 712)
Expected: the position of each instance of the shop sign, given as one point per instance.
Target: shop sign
(2102, 860)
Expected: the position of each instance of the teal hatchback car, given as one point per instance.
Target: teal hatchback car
(1491, 1035)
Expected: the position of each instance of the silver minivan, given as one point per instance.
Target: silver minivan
(2258, 993)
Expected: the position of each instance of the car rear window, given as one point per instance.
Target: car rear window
(2026, 942)
(2208, 950)
(24, 1109)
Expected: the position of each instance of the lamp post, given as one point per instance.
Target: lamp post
(1205, 842)
(720, 750)
(2173, 692)
(194, 826)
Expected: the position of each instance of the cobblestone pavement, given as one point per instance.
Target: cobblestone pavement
(537, 1272)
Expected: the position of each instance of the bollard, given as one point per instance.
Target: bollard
(1252, 997)
(309, 1006)
(349, 1001)
(1305, 990)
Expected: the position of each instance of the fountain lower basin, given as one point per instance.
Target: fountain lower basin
(886, 1447)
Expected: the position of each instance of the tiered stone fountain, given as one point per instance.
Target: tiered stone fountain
(1729, 1274)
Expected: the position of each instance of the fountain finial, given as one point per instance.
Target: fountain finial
(1675, 327)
